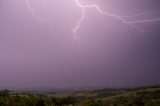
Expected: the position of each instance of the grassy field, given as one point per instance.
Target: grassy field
(144, 96)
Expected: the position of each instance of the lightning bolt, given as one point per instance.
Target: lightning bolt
(82, 17)
(121, 18)
(35, 15)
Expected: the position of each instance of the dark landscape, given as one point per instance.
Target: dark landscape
(140, 96)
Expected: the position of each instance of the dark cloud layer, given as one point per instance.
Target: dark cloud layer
(108, 53)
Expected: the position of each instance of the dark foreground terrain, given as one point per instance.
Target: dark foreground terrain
(144, 96)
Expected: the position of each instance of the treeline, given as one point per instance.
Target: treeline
(20, 99)
(112, 97)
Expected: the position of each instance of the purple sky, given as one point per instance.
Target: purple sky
(108, 52)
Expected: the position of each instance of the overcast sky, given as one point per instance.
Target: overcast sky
(108, 52)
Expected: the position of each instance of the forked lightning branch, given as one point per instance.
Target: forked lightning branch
(101, 12)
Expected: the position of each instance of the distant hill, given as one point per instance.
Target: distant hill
(139, 96)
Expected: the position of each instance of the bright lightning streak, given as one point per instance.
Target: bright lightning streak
(145, 21)
(141, 14)
(84, 7)
(121, 18)
(35, 16)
